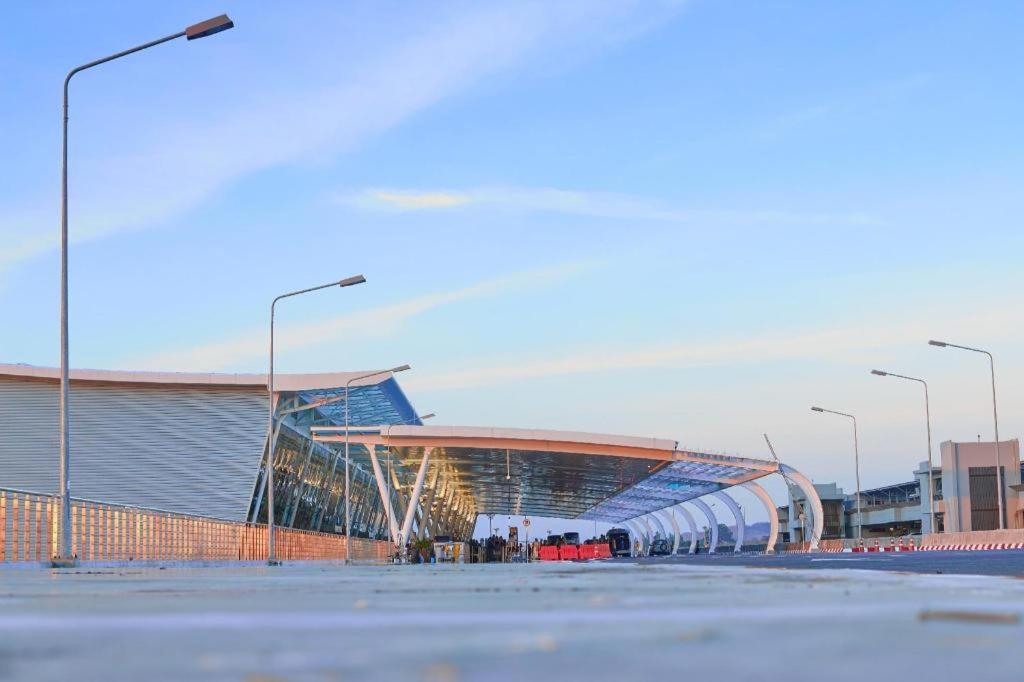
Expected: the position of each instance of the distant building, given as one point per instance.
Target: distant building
(798, 522)
(969, 484)
(964, 498)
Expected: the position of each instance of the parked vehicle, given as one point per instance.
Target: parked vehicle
(619, 542)
(570, 538)
(660, 547)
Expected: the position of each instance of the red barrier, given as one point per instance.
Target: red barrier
(587, 551)
(568, 553)
(602, 551)
(548, 553)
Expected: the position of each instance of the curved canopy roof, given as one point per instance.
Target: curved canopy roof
(558, 473)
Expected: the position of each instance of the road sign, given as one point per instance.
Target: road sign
(526, 522)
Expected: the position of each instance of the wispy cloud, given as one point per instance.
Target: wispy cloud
(330, 113)
(573, 202)
(837, 343)
(385, 320)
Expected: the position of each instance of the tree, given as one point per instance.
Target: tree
(725, 533)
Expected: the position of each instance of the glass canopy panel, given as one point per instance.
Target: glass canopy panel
(670, 485)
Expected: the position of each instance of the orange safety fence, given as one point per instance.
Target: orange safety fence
(108, 532)
(548, 553)
(568, 553)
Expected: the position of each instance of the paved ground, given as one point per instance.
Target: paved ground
(1005, 562)
(597, 621)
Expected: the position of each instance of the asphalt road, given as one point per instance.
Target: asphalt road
(1003, 562)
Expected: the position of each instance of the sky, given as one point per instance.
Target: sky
(689, 220)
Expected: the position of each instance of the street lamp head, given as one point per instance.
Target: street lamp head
(399, 369)
(350, 281)
(817, 409)
(879, 373)
(209, 27)
(940, 344)
(425, 417)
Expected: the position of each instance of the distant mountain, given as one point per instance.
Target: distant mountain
(756, 531)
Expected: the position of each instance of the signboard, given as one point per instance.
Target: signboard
(526, 522)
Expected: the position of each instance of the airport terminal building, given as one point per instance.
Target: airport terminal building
(154, 453)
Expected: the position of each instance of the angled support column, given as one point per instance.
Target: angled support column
(389, 511)
(693, 527)
(445, 511)
(428, 508)
(773, 513)
(817, 515)
(667, 514)
(414, 498)
(737, 513)
(712, 522)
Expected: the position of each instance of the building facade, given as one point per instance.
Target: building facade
(196, 443)
(964, 498)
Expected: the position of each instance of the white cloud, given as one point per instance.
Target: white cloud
(385, 320)
(842, 344)
(572, 202)
(335, 110)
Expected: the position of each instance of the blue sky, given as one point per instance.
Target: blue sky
(689, 220)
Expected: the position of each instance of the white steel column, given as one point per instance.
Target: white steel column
(773, 513)
(637, 536)
(817, 515)
(648, 534)
(414, 498)
(667, 513)
(659, 524)
(737, 513)
(428, 508)
(382, 488)
(712, 522)
(693, 527)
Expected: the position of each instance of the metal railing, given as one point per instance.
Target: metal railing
(112, 533)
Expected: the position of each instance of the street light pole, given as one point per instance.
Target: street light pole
(348, 508)
(856, 466)
(928, 423)
(200, 30)
(995, 418)
(269, 476)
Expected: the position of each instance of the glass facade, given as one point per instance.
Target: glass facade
(309, 477)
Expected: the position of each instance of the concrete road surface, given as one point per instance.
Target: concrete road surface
(1002, 562)
(538, 622)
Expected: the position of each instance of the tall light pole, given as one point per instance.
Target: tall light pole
(928, 424)
(200, 30)
(269, 477)
(856, 466)
(348, 508)
(995, 418)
